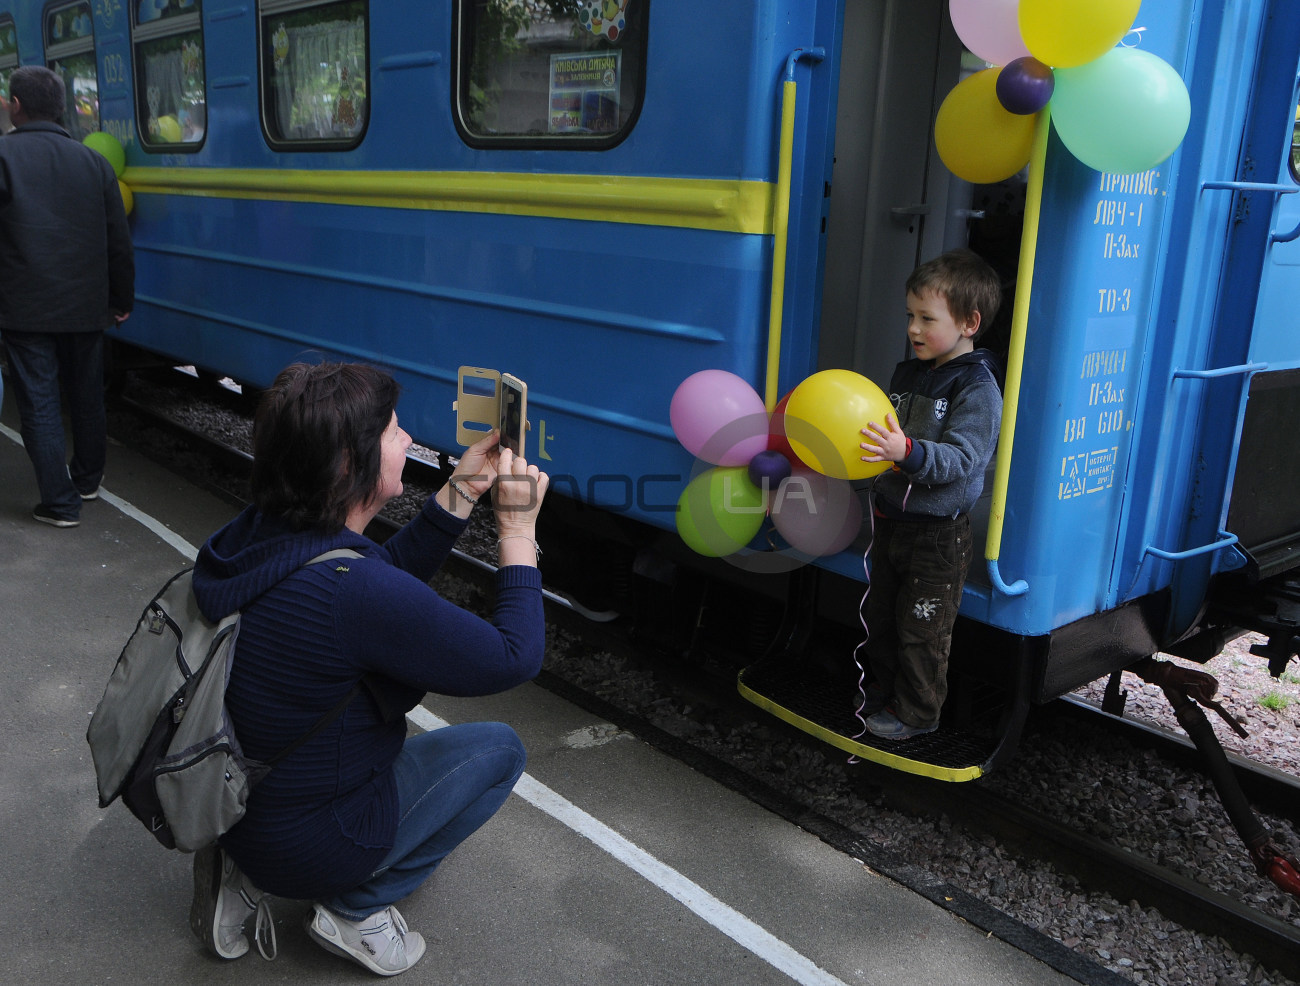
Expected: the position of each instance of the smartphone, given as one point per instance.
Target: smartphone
(514, 413)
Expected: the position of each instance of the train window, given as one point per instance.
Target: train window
(315, 66)
(1295, 145)
(70, 50)
(170, 89)
(549, 73)
(8, 62)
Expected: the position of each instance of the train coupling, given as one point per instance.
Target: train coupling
(1199, 686)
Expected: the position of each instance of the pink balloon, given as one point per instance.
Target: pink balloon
(989, 28)
(816, 514)
(719, 417)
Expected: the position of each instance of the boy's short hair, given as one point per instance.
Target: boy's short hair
(965, 280)
(40, 91)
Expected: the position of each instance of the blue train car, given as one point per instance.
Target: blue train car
(605, 196)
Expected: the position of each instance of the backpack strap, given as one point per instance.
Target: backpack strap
(343, 703)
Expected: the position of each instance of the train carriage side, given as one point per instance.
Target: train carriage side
(602, 267)
(1146, 346)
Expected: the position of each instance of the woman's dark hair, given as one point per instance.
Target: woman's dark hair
(317, 442)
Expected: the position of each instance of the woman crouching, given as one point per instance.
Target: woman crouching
(359, 815)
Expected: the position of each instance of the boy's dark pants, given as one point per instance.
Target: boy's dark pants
(917, 571)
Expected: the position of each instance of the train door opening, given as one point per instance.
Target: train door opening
(893, 202)
(888, 189)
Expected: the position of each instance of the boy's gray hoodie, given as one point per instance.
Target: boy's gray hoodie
(952, 414)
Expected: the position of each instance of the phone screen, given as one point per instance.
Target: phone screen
(512, 418)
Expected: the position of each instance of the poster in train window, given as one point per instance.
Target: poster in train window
(584, 92)
(315, 73)
(549, 73)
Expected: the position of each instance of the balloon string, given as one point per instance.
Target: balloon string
(862, 618)
(862, 615)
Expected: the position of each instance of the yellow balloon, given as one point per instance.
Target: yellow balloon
(128, 200)
(824, 420)
(977, 139)
(1065, 33)
(169, 129)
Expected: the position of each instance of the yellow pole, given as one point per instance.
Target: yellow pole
(780, 230)
(1016, 353)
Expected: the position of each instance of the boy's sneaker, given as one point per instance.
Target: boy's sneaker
(380, 942)
(875, 698)
(223, 901)
(92, 495)
(46, 516)
(885, 725)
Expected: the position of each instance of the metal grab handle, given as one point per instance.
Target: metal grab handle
(1222, 371)
(1255, 186)
(1227, 540)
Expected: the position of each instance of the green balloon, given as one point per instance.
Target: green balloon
(110, 147)
(1123, 113)
(720, 511)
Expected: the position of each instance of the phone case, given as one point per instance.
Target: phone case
(479, 409)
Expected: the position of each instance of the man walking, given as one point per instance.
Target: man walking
(67, 272)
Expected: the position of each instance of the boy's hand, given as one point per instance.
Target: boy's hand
(884, 444)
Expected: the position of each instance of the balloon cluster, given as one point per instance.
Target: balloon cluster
(793, 465)
(1116, 109)
(111, 148)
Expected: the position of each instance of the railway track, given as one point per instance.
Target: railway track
(705, 695)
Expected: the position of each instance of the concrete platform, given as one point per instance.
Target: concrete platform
(612, 864)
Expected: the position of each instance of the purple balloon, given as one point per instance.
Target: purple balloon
(1024, 86)
(816, 514)
(768, 467)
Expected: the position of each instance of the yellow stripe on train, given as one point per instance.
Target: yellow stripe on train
(715, 204)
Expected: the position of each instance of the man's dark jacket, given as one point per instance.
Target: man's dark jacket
(66, 261)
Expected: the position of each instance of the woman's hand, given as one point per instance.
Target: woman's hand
(517, 499)
(473, 477)
(477, 469)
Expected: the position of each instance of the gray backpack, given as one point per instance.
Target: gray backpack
(161, 738)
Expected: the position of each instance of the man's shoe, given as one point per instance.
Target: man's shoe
(223, 901)
(45, 516)
(92, 495)
(885, 725)
(380, 942)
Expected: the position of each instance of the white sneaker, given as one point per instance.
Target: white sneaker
(223, 901)
(380, 942)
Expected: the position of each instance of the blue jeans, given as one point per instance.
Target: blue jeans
(449, 782)
(40, 365)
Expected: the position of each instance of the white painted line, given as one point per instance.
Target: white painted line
(726, 919)
(155, 525)
(729, 921)
(152, 523)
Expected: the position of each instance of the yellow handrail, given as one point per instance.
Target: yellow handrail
(1016, 356)
(781, 222)
(780, 235)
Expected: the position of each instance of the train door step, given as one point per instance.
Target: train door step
(812, 700)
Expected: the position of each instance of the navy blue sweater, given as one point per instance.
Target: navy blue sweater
(324, 818)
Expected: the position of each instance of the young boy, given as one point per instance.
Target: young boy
(948, 409)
